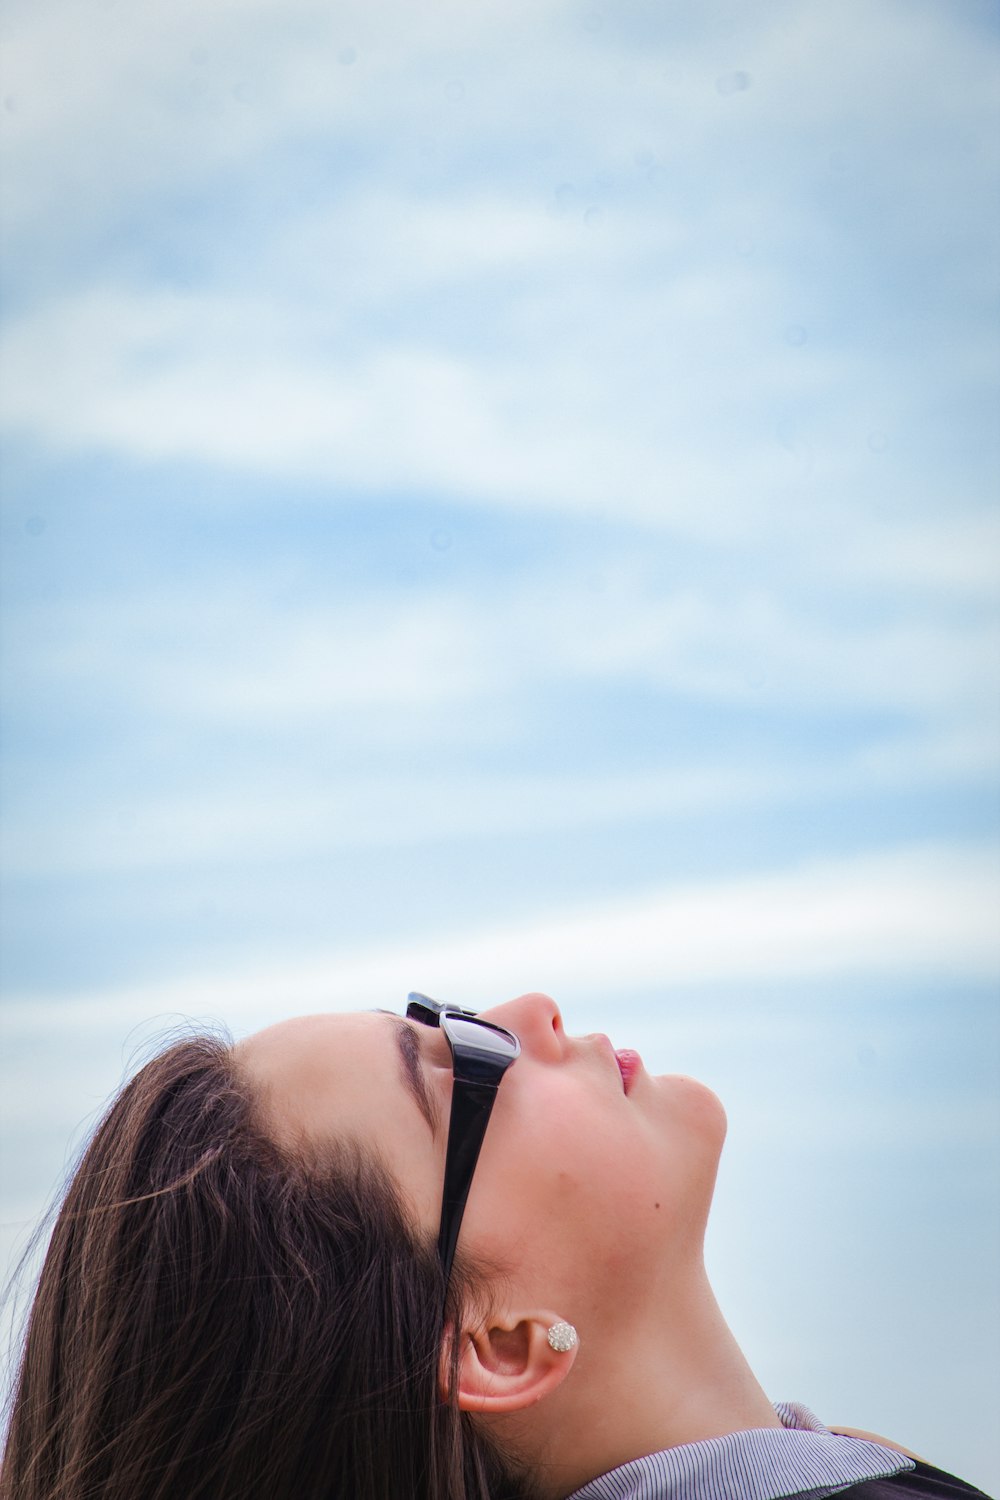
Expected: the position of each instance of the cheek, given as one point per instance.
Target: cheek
(610, 1187)
(576, 1178)
(587, 1213)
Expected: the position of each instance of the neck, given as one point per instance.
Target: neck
(643, 1388)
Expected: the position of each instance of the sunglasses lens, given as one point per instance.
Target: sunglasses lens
(481, 1037)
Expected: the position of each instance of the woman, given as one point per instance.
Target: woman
(288, 1269)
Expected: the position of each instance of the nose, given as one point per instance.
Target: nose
(536, 1022)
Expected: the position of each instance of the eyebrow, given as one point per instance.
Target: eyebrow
(412, 1070)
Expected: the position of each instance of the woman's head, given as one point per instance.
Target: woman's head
(242, 1293)
(581, 1186)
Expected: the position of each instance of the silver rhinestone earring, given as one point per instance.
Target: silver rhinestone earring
(562, 1337)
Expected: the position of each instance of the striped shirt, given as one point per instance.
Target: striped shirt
(801, 1456)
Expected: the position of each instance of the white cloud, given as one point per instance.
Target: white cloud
(389, 672)
(572, 403)
(905, 911)
(206, 83)
(363, 811)
(248, 385)
(748, 645)
(266, 819)
(637, 371)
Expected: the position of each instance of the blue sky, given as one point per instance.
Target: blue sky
(505, 496)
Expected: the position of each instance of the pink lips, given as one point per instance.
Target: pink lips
(629, 1064)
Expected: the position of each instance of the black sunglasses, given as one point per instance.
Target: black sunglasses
(481, 1053)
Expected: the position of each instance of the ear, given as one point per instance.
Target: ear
(508, 1365)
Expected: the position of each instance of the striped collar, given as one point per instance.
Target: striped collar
(799, 1457)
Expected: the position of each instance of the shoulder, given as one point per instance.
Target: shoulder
(873, 1437)
(923, 1481)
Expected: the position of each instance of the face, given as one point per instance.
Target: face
(580, 1183)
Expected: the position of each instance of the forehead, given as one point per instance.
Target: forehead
(337, 1077)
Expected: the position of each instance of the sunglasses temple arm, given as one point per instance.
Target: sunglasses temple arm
(471, 1104)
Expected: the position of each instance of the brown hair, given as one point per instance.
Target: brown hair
(215, 1318)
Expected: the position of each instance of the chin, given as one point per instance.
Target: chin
(703, 1109)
